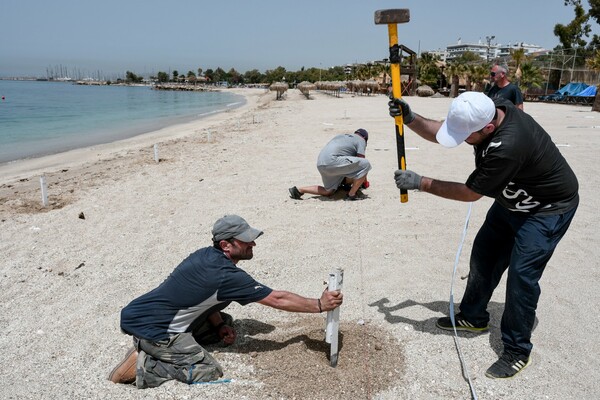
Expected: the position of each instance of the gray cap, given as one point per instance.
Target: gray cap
(234, 226)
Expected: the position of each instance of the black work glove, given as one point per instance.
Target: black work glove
(408, 180)
(399, 107)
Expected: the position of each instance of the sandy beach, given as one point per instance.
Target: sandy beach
(119, 222)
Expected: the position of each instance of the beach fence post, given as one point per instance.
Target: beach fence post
(44, 191)
(156, 153)
(336, 278)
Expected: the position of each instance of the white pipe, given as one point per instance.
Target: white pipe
(336, 278)
(44, 191)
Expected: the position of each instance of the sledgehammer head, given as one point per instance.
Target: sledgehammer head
(392, 16)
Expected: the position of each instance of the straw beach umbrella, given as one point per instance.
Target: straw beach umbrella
(370, 86)
(333, 88)
(305, 87)
(280, 88)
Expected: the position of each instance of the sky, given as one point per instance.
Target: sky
(147, 36)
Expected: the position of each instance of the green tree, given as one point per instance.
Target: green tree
(429, 72)
(275, 75)
(209, 75)
(459, 67)
(234, 77)
(594, 14)
(455, 69)
(594, 61)
(162, 76)
(531, 76)
(571, 35)
(594, 64)
(253, 76)
(379, 70)
(518, 56)
(130, 77)
(219, 75)
(175, 75)
(476, 75)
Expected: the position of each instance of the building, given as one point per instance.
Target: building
(481, 49)
(487, 51)
(442, 54)
(504, 50)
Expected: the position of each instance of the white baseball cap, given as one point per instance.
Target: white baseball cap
(469, 112)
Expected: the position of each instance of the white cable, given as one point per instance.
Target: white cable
(460, 355)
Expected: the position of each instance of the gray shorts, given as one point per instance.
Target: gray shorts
(344, 167)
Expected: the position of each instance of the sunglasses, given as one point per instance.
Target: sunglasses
(494, 73)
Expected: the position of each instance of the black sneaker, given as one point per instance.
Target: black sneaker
(461, 324)
(508, 365)
(295, 193)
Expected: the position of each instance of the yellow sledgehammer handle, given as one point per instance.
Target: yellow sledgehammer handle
(397, 92)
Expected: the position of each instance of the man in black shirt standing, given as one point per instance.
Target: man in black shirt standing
(503, 88)
(536, 196)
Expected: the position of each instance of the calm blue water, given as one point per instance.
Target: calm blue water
(38, 118)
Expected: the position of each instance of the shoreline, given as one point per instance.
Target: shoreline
(26, 167)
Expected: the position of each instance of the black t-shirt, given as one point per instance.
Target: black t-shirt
(509, 92)
(521, 167)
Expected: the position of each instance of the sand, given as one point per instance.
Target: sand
(118, 223)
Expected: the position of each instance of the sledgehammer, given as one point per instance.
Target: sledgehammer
(393, 17)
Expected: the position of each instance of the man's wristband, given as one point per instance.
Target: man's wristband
(319, 303)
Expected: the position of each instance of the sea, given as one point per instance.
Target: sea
(42, 117)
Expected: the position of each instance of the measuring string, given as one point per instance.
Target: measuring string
(367, 358)
(460, 355)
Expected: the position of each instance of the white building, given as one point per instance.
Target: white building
(504, 50)
(481, 49)
(484, 51)
(443, 54)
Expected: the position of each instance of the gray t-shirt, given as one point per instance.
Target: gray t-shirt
(344, 145)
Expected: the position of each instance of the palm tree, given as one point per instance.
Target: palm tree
(478, 74)
(455, 69)
(429, 71)
(191, 77)
(594, 64)
(468, 74)
(381, 71)
(518, 56)
(531, 76)
(362, 72)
